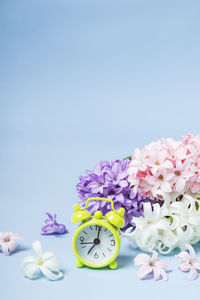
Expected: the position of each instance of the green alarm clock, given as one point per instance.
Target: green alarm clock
(96, 242)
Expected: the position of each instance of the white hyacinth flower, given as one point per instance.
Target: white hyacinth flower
(186, 220)
(45, 263)
(153, 230)
(173, 225)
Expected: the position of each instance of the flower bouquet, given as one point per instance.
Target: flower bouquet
(159, 187)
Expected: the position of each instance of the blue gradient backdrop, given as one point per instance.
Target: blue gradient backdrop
(82, 81)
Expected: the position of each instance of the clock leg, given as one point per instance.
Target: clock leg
(113, 265)
(79, 264)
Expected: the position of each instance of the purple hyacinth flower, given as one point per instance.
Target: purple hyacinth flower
(109, 179)
(52, 227)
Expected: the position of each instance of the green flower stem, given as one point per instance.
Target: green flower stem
(128, 157)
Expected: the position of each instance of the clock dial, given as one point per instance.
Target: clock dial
(96, 244)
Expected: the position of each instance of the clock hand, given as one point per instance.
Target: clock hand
(91, 249)
(87, 243)
(98, 232)
(96, 242)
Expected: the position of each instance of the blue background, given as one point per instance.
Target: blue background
(84, 81)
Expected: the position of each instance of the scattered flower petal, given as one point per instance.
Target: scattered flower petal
(52, 227)
(151, 265)
(8, 242)
(45, 263)
(189, 262)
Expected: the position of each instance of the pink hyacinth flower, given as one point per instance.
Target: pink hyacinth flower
(151, 265)
(8, 242)
(189, 262)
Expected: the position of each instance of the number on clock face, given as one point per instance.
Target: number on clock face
(96, 244)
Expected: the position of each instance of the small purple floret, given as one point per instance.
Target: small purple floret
(52, 227)
(109, 179)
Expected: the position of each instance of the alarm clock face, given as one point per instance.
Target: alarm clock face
(96, 244)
